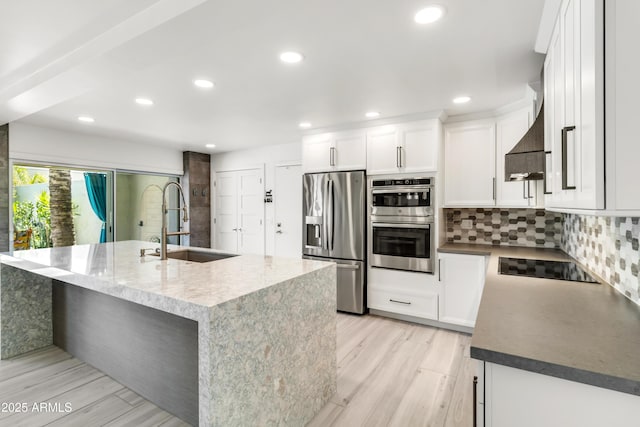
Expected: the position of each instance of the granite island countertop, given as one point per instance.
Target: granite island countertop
(264, 320)
(179, 287)
(583, 332)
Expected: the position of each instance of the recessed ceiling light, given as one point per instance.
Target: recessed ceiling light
(372, 114)
(144, 101)
(86, 119)
(461, 100)
(210, 145)
(291, 57)
(429, 14)
(204, 84)
(304, 125)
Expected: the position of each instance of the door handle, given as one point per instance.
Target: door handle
(565, 131)
(493, 183)
(348, 266)
(278, 231)
(332, 213)
(399, 302)
(546, 174)
(524, 192)
(398, 156)
(439, 269)
(234, 229)
(475, 401)
(332, 156)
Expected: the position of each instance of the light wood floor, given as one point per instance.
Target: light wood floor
(390, 373)
(393, 373)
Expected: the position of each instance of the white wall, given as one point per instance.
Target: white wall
(41, 144)
(270, 157)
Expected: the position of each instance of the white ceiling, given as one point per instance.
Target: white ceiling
(91, 57)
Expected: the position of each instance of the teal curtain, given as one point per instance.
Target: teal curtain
(97, 189)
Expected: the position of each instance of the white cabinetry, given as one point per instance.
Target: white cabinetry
(402, 292)
(470, 169)
(403, 148)
(591, 87)
(510, 128)
(462, 278)
(334, 151)
(514, 397)
(452, 296)
(574, 72)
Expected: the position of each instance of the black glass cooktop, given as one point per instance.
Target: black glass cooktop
(561, 270)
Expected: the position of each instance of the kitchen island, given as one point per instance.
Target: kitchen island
(239, 341)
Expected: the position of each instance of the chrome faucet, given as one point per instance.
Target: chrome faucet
(165, 210)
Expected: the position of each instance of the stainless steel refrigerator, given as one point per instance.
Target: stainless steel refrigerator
(334, 219)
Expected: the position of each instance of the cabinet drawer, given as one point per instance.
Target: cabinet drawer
(425, 306)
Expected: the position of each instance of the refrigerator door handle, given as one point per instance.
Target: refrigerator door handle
(325, 216)
(331, 214)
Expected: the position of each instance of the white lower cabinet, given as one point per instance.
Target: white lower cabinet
(462, 278)
(402, 292)
(514, 397)
(451, 296)
(420, 304)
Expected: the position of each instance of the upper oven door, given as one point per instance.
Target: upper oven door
(402, 246)
(405, 201)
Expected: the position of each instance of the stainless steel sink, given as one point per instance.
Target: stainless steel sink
(196, 256)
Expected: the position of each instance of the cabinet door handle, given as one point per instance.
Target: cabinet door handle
(332, 156)
(546, 174)
(475, 401)
(524, 191)
(529, 190)
(398, 157)
(399, 302)
(439, 270)
(565, 131)
(493, 183)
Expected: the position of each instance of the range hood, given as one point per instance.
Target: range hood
(526, 160)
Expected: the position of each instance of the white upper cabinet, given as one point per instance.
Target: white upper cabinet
(470, 168)
(403, 148)
(510, 128)
(575, 121)
(334, 151)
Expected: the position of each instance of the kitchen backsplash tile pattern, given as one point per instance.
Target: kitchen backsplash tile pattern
(608, 246)
(518, 227)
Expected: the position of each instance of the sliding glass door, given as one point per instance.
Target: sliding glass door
(60, 206)
(139, 206)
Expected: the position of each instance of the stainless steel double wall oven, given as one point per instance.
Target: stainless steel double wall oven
(401, 234)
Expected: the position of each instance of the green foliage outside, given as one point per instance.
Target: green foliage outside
(28, 215)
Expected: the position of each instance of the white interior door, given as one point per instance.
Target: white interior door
(251, 211)
(226, 211)
(287, 200)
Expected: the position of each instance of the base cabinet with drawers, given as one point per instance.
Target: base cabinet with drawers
(451, 296)
(402, 292)
(507, 397)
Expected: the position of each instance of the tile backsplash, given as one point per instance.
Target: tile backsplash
(608, 246)
(518, 227)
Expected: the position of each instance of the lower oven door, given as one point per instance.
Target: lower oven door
(401, 246)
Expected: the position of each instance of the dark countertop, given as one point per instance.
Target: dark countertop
(583, 332)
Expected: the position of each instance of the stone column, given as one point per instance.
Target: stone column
(196, 183)
(62, 232)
